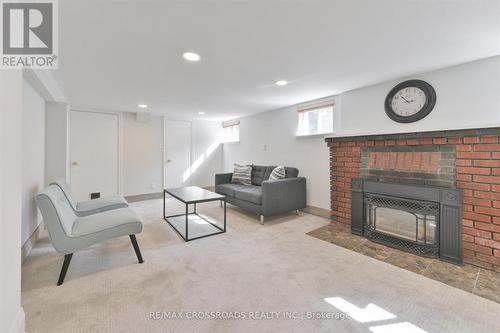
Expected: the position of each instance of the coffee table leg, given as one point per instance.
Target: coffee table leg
(224, 215)
(164, 205)
(187, 219)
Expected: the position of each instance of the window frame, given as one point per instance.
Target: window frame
(230, 124)
(311, 107)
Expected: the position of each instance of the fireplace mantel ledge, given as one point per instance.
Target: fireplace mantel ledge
(414, 135)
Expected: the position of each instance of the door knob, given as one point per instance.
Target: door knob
(168, 161)
(74, 163)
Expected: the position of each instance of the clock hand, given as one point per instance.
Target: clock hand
(405, 99)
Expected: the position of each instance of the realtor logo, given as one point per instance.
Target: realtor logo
(29, 34)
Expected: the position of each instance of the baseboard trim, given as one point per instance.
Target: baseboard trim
(19, 323)
(152, 196)
(31, 242)
(313, 210)
(143, 197)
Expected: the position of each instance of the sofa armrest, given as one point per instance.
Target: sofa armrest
(223, 178)
(283, 195)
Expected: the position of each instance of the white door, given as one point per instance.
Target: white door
(94, 153)
(177, 153)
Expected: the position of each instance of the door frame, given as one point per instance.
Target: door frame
(120, 140)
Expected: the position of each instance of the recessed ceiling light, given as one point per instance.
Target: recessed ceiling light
(142, 106)
(191, 56)
(201, 112)
(281, 83)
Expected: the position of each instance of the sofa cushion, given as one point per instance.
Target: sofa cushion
(242, 174)
(258, 173)
(251, 193)
(229, 189)
(277, 173)
(289, 172)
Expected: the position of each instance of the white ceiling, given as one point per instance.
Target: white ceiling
(117, 54)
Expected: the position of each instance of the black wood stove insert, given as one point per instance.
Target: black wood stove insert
(419, 219)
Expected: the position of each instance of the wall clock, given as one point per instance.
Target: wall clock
(410, 101)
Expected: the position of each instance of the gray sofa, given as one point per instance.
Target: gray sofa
(265, 197)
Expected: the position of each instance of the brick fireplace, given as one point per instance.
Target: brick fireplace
(468, 160)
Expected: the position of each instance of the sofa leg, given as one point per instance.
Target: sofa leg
(297, 211)
(64, 269)
(136, 248)
(262, 219)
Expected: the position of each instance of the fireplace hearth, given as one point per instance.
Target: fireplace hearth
(467, 160)
(419, 219)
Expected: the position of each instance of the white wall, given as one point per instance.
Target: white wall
(276, 129)
(56, 141)
(142, 155)
(142, 151)
(33, 158)
(206, 147)
(11, 170)
(468, 96)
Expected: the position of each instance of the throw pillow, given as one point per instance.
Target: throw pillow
(277, 173)
(242, 174)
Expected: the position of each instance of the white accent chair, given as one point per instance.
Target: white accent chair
(69, 232)
(90, 207)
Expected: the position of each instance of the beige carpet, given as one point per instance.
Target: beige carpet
(249, 270)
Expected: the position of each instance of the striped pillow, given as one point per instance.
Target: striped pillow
(242, 174)
(277, 173)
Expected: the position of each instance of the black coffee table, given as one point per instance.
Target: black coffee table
(192, 195)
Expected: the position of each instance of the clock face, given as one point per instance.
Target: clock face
(408, 101)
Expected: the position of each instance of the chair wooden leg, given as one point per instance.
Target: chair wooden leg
(64, 269)
(136, 248)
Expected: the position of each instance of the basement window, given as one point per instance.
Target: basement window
(315, 118)
(231, 131)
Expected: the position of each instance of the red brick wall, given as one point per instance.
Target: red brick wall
(406, 161)
(477, 175)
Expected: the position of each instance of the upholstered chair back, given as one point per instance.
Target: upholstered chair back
(58, 216)
(63, 185)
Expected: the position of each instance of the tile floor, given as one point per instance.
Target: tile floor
(470, 278)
